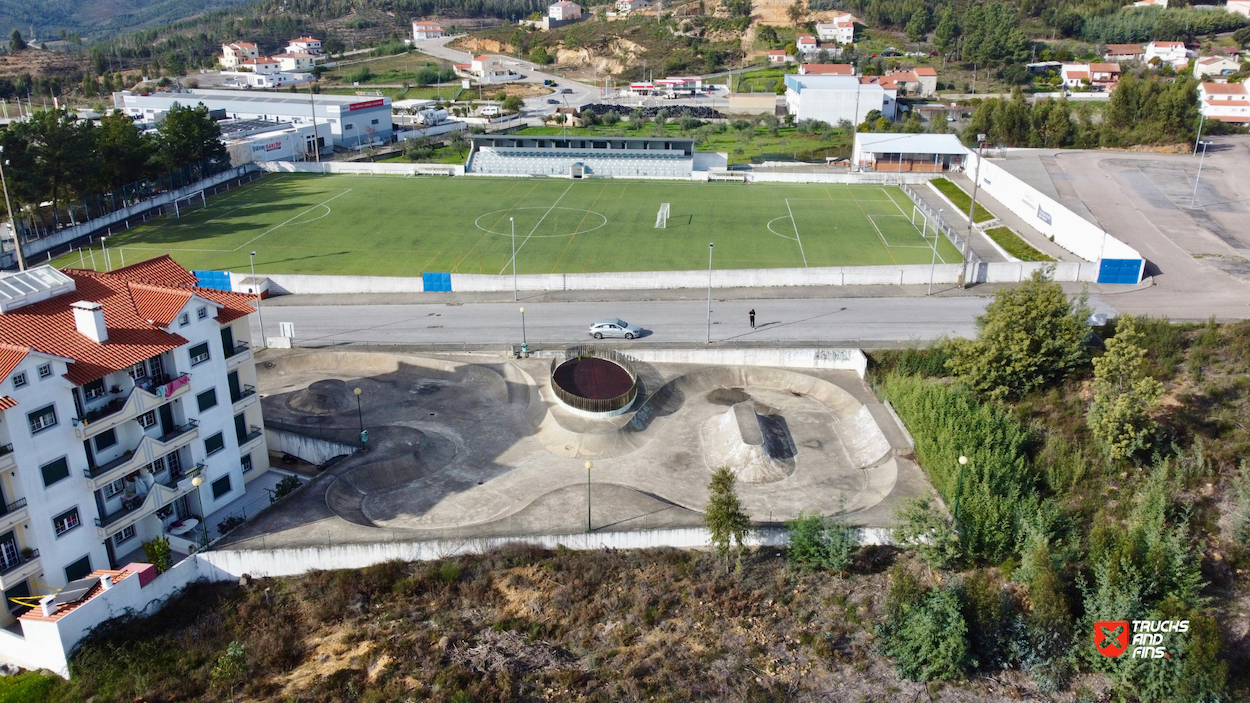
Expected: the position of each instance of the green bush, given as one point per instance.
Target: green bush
(1124, 396)
(821, 543)
(998, 490)
(924, 630)
(285, 487)
(1013, 244)
(360, 75)
(922, 528)
(159, 554)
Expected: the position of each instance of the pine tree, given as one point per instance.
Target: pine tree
(725, 518)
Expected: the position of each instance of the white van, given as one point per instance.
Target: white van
(489, 111)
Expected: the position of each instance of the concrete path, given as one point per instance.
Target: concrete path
(1035, 239)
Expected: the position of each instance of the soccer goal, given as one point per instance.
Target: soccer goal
(187, 203)
(661, 217)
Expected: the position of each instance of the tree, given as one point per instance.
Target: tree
(1123, 394)
(540, 56)
(123, 150)
(821, 543)
(917, 26)
(229, 669)
(512, 103)
(725, 518)
(947, 32)
(159, 554)
(16, 42)
(458, 143)
(796, 11)
(992, 36)
(62, 150)
(1029, 337)
(188, 135)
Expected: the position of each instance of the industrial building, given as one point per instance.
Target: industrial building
(832, 99)
(353, 121)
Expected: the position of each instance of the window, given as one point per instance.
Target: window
(374, 122)
(184, 319)
(54, 471)
(66, 521)
(199, 353)
(19, 380)
(221, 487)
(105, 439)
(94, 390)
(207, 399)
(79, 569)
(147, 419)
(114, 488)
(201, 313)
(124, 535)
(138, 371)
(214, 444)
(42, 419)
(45, 370)
(246, 462)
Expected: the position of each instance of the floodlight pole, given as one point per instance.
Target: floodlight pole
(1197, 178)
(17, 243)
(1198, 139)
(936, 231)
(259, 316)
(709, 292)
(514, 292)
(972, 208)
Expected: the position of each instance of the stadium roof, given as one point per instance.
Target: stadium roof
(909, 143)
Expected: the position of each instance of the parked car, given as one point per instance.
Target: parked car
(566, 91)
(613, 327)
(551, 101)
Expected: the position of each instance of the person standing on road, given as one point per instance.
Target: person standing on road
(752, 316)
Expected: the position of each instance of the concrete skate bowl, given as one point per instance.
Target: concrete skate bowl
(750, 439)
(326, 397)
(594, 382)
(410, 455)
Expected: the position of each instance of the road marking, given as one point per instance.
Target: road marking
(314, 207)
(512, 260)
(796, 232)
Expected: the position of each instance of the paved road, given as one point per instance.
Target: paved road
(865, 320)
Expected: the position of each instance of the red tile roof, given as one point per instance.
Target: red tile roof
(10, 356)
(6, 402)
(64, 609)
(1224, 88)
(827, 69)
(162, 270)
(135, 311)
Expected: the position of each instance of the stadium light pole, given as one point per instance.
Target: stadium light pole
(972, 208)
(1197, 178)
(1198, 139)
(524, 341)
(17, 244)
(260, 317)
(936, 231)
(709, 292)
(959, 487)
(512, 224)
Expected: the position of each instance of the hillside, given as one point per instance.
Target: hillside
(98, 18)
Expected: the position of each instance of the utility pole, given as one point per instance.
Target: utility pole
(1198, 139)
(313, 107)
(709, 292)
(1194, 197)
(17, 242)
(972, 209)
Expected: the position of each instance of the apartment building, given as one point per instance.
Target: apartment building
(1226, 102)
(234, 54)
(128, 411)
(840, 29)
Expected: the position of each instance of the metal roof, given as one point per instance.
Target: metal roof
(909, 143)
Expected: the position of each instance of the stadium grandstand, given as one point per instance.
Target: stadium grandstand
(581, 157)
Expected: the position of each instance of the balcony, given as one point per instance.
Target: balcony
(134, 509)
(177, 431)
(237, 355)
(147, 395)
(147, 451)
(13, 514)
(8, 459)
(253, 434)
(243, 398)
(14, 571)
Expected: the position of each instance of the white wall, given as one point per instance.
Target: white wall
(301, 284)
(310, 449)
(801, 358)
(363, 168)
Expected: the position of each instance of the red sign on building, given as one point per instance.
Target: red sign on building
(365, 105)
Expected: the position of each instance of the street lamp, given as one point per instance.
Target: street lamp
(256, 286)
(17, 244)
(589, 465)
(1197, 178)
(513, 225)
(198, 481)
(525, 347)
(972, 208)
(959, 486)
(364, 436)
(709, 292)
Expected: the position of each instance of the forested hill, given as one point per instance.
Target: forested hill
(98, 18)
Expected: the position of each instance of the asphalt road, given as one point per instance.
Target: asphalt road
(852, 320)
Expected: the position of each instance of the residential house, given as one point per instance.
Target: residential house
(1172, 52)
(305, 45)
(1215, 66)
(832, 99)
(1161, 4)
(840, 29)
(564, 11)
(262, 66)
(1104, 76)
(234, 54)
(626, 6)
(129, 413)
(806, 43)
(920, 81)
(1075, 76)
(486, 69)
(826, 69)
(778, 56)
(294, 62)
(427, 30)
(1124, 52)
(1226, 102)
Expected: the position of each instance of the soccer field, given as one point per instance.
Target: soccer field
(395, 226)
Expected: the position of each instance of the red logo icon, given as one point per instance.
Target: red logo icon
(1111, 637)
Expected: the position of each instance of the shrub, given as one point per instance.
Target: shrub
(1123, 395)
(724, 517)
(923, 529)
(1028, 338)
(229, 524)
(924, 631)
(159, 554)
(230, 668)
(360, 75)
(822, 543)
(284, 487)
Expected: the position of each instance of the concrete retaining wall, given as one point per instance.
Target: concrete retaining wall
(311, 450)
(851, 178)
(299, 284)
(363, 168)
(795, 358)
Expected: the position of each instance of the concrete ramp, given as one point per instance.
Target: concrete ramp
(327, 397)
(865, 443)
(735, 440)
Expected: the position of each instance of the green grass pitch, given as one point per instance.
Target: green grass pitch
(396, 226)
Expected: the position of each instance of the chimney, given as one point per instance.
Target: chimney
(48, 606)
(106, 581)
(89, 318)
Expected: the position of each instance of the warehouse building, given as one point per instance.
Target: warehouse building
(928, 153)
(832, 99)
(353, 121)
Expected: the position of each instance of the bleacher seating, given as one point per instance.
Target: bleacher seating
(619, 163)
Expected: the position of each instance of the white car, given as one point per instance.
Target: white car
(613, 327)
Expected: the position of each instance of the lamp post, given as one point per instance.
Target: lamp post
(937, 230)
(589, 465)
(709, 292)
(1197, 178)
(959, 486)
(364, 436)
(512, 224)
(17, 244)
(972, 208)
(524, 341)
(260, 317)
(1198, 139)
(198, 481)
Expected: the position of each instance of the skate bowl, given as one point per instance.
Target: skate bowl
(326, 397)
(754, 449)
(594, 382)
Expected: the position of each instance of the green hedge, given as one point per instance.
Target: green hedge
(961, 199)
(999, 488)
(1013, 244)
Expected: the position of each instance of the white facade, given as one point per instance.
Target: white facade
(1226, 102)
(291, 144)
(261, 66)
(564, 10)
(305, 45)
(840, 29)
(1241, 7)
(264, 80)
(422, 31)
(831, 99)
(1215, 66)
(1172, 52)
(630, 5)
(94, 470)
(234, 54)
(294, 62)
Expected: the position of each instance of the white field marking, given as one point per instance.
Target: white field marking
(320, 204)
(897, 246)
(796, 232)
(536, 224)
(477, 222)
(779, 234)
(936, 232)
